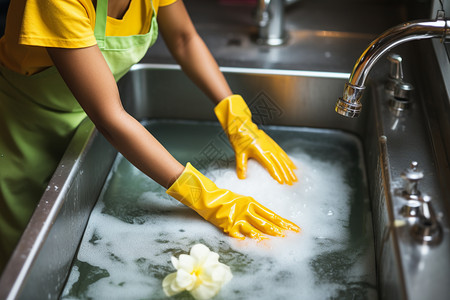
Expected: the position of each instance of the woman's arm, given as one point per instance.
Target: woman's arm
(190, 51)
(87, 75)
(89, 78)
(197, 62)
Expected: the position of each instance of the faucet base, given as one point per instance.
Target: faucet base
(272, 41)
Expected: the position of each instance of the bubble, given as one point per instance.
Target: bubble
(125, 252)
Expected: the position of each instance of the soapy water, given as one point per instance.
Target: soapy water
(135, 228)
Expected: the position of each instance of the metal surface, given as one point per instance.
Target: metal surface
(323, 51)
(349, 104)
(410, 191)
(414, 30)
(419, 232)
(427, 230)
(423, 267)
(39, 265)
(411, 177)
(325, 35)
(403, 90)
(396, 73)
(154, 229)
(436, 89)
(271, 24)
(291, 98)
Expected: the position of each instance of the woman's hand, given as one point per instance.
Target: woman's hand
(237, 215)
(197, 62)
(250, 142)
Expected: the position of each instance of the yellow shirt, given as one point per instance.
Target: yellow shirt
(32, 25)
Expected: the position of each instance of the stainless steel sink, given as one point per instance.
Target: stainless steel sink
(293, 86)
(135, 227)
(41, 263)
(296, 99)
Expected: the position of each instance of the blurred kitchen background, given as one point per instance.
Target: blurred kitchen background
(322, 35)
(318, 31)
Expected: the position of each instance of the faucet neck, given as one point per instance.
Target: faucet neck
(349, 104)
(415, 30)
(270, 19)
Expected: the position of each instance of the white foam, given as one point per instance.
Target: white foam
(137, 256)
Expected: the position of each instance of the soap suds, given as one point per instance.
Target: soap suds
(323, 261)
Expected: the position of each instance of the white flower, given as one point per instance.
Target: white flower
(200, 273)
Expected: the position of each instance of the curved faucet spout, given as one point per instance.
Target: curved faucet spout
(349, 104)
(389, 39)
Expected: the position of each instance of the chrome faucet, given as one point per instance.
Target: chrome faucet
(349, 104)
(270, 20)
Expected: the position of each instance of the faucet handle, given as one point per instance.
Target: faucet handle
(427, 230)
(396, 66)
(396, 72)
(400, 100)
(412, 176)
(403, 90)
(410, 192)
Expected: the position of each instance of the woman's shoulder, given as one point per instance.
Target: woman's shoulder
(58, 23)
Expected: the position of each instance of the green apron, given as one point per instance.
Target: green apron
(38, 116)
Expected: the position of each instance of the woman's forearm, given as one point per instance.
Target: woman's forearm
(197, 62)
(189, 50)
(139, 146)
(91, 82)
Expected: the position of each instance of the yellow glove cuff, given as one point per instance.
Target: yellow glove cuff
(230, 109)
(190, 187)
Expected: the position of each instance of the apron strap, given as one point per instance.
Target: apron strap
(101, 13)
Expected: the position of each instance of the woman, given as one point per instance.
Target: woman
(60, 60)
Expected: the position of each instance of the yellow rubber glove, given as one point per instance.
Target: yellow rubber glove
(250, 142)
(239, 216)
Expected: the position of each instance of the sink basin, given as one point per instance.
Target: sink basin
(333, 257)
(297, 109)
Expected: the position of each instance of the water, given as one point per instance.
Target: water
(135, 227)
